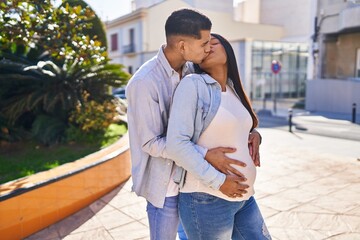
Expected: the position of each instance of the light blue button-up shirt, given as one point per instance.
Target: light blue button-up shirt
(149, 95)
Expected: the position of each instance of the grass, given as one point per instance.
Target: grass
(26, 158)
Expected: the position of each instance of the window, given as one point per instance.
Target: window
(132, 36)
(114, 42)
(130, 48)
(357, 71)
(130, 69)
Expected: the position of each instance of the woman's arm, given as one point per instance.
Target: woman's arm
(181, 129)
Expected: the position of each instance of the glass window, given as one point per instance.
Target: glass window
(291, 79)
(114, 42)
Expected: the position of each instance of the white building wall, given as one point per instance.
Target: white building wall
(335, 16)
(225, 6)
(331, 95)
(214, 5)
(223, 23)
(247, 11)
(294, 16)
(242, 50)
(155, 22)
(150, 34)
(145, 3)
(123, 31)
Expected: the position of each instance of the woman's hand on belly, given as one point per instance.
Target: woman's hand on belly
(218, 159)
(249, 172)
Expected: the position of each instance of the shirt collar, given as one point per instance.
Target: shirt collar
(164, 62)
(208, 79)
(168, 69)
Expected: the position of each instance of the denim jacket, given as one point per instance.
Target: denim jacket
(195, 103)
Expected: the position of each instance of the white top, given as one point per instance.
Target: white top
(229, 128)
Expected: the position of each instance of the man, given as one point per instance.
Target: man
(149, 95)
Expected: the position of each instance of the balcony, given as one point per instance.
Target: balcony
(350, 18)
(128, 49)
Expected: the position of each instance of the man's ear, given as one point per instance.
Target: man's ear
(181, 46)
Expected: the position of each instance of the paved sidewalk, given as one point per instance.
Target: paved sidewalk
(317, 123)
(308, 187)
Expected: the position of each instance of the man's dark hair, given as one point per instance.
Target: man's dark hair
(187, 22)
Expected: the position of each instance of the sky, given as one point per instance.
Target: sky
(108, 9)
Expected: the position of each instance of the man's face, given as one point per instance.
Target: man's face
(195, 50)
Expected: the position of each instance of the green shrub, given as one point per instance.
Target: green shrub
(90, 119)
(49, 56)
(48, 129)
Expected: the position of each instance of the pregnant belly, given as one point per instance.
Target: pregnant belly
(249, 171)
(193, 184)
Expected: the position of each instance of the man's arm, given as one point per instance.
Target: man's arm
(144, 115)
(254, 145)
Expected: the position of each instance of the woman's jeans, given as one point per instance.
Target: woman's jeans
(164, 222)
(206, 217)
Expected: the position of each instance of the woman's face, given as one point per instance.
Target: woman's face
(217, 55)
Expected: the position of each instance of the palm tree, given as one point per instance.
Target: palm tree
(44, 88)
(47, 65)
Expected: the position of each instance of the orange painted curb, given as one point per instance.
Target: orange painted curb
(30, 204)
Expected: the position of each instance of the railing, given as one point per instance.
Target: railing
(128, 48)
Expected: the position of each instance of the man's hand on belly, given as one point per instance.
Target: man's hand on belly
(254, 144)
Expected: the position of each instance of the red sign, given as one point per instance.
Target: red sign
(275, 66)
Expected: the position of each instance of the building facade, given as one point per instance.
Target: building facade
(255, 32)
(334, 85)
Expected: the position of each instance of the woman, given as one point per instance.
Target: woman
(211, 109)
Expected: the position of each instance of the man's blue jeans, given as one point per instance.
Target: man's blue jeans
(206, 217)
(164, 222)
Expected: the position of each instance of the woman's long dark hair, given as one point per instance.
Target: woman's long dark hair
(234, 76)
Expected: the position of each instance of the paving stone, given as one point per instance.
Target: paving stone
(300, 196)
(333, 204)
(130, 231)
(100, 206)
(96, 234)
(113, 219)
(346, 236)
(91, 224)
(49, 233)
(75, 221)
(296, 234)
(277, 203)
(125, 199)
(136, 211)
